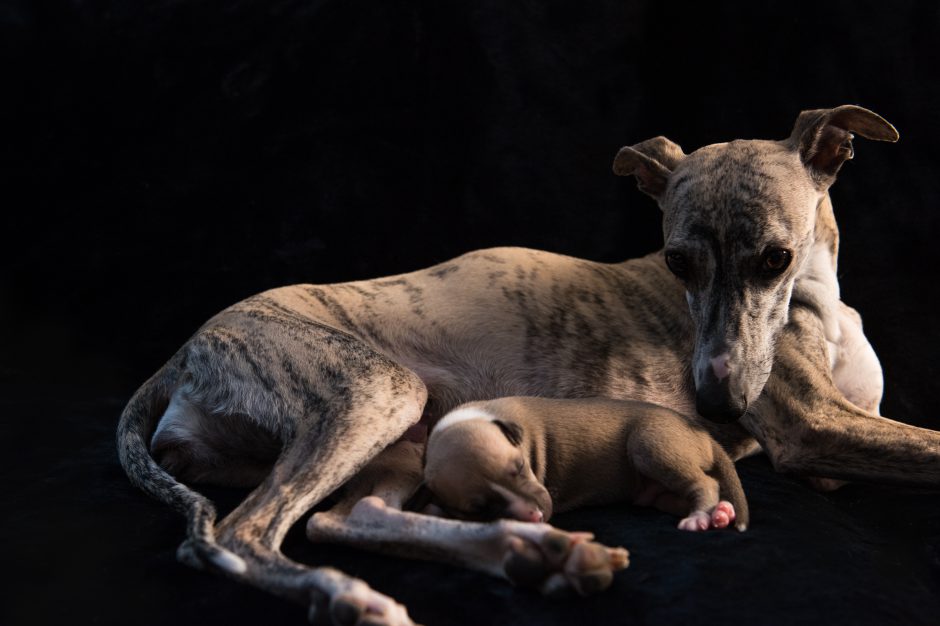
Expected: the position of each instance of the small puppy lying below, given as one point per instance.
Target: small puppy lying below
(524, 458)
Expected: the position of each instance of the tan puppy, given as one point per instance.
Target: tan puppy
(524, 458)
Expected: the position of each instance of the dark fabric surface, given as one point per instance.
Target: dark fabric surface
(162, 160)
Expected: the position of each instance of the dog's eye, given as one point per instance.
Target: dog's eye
(677, 264)
(775, 261)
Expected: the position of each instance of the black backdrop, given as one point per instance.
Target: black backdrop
(161, 160)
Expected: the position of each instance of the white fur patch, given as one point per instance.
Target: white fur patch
(463, 414)
(817, 284)
(180, 421)
(856, 370)
(229, 561)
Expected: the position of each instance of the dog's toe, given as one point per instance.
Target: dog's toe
(556, 544)
(526, 566)
(345, 610)
(359, 605)
(589, 568)
(619, 558)
(557, 562)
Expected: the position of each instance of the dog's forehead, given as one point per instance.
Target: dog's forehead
(742, 191)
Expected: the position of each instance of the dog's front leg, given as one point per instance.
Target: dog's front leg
(530, 555)
(806, 425)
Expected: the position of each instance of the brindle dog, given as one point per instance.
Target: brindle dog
(304, 389)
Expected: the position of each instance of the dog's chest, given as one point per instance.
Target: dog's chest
(856, 371)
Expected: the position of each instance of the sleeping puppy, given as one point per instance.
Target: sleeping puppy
(524, 458)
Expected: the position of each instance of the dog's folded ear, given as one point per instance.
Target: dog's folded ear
(823, 137)
(651, 161)
(512, 430)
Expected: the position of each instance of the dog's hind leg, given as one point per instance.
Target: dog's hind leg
(334, 403)
(322, 455)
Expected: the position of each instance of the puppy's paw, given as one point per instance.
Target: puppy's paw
(696, 521)
(720, 517)
(723, 515)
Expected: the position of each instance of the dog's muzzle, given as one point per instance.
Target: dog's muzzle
(718, 401)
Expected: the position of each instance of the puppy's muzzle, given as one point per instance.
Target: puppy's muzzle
(525, 512)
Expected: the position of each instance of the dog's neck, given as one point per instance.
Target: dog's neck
(826, 231)
(817, 285)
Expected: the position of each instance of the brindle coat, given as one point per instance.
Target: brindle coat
(318, 380)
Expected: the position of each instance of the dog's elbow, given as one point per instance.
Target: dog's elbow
(786, 459)
(800, 450)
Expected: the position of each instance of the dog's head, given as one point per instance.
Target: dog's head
(477, 469)
(738, 224)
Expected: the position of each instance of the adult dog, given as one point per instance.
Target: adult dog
(304, 389)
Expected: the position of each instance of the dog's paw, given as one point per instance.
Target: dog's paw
(359, 605)
(556, 562)
(720, 517)
(209, 556)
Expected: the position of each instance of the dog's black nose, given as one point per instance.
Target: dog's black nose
(717, 403)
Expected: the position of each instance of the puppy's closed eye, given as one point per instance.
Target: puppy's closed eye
(512, 430)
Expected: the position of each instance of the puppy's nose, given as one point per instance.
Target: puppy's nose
(527, 514)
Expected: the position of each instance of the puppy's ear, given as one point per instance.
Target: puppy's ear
(512, 430)
(651, 161)
(823, 137)
(420, 499)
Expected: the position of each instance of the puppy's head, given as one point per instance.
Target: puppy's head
(478, 469)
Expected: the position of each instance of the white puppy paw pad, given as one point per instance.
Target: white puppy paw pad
(697, 521)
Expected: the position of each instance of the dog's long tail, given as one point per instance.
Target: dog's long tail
(730, 485)
(138, 422)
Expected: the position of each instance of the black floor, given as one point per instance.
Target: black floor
(89, 549)
(159, 161)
